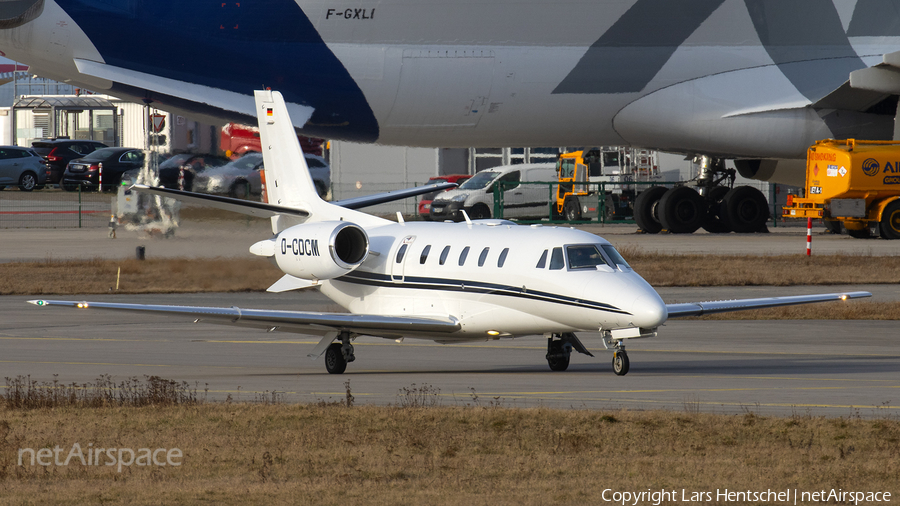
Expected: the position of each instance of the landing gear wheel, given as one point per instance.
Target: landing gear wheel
(572, 209)
(682, 210)
(646, 206)
(716, 220)
(335, 363)
(480, 212)
(890, 221)
(558, 354)
(27, 181)
(746, 209)
(620, 363)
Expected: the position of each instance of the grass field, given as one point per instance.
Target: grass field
(334, 454)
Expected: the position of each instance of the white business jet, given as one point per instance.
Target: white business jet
(447, 282)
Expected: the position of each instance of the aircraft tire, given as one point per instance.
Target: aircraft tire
(572, 209)
(620, 363)
(682, 210)
(746, 209)
(890, 221)
(557, 356)
(335, 363)
(715, 221)
(646, 209)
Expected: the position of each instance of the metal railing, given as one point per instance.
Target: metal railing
(52, 208)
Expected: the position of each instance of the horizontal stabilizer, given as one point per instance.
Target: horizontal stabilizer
(258, 209)
(288, 283)
(391, 196)
(724, 306)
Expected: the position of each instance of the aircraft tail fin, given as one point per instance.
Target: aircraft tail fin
(287, 179)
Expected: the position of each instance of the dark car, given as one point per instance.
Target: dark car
(187, 166)
(241, 178)
(57, 153)
(425, 200)
(21, 167)
(106, 163)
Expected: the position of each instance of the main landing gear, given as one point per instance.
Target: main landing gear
(560, 346)
(337, 355)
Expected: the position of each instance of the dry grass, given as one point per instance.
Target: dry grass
(661, 269)
(333, 454)
(138, 276)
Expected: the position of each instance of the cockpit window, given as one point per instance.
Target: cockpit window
(615, 256)
(557, 261)
(543, 261)
(584, 256)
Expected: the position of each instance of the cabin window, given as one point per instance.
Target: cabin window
(543, 261)
(615, 256)
(424, 255)
(502, 259)
(483, 256)
(401, 252)
(584, 256)
(444, 254)
(463, 255)
(556, 260)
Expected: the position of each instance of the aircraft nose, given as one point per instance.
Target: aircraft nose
(649, 311)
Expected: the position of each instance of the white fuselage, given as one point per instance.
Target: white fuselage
(489, 300)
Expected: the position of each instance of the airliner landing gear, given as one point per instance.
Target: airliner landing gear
(558, 352)
(339, 354)
(620, 362)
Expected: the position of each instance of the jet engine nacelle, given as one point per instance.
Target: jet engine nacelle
(322, 250)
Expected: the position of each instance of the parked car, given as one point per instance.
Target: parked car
(425, 201)
(476, 195)
(190, 165)
(241, 178)
(21, 167)
(111, 162)
(57, 153)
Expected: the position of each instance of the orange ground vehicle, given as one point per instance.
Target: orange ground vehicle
(854, 183)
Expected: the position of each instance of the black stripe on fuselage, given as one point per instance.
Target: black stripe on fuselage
(456, 285)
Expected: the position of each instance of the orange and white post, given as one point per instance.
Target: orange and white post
(808, 236)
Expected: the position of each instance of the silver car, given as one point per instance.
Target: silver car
(241, 178)
(21, 167)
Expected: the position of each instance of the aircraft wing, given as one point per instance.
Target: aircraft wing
(724, 306)
(258, 209)
(381, 198)
(285, 321)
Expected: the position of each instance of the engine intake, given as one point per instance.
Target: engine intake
(322, 250)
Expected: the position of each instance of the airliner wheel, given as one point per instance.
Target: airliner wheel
(890, 221)
(335, 363)
(620, 363)
(682, 210)
(646, 213)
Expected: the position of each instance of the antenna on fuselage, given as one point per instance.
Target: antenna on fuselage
(466, 216)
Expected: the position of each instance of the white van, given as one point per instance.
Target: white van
(476, 195)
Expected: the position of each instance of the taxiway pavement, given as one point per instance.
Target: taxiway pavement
(839, 368)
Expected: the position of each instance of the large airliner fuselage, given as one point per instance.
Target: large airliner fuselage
(726, 78)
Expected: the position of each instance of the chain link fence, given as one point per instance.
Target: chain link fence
(53, 208)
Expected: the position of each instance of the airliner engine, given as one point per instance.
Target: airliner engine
(322, 250)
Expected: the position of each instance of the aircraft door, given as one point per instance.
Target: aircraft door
(400, 257)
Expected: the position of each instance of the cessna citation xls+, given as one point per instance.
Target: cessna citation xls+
(447, 282)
